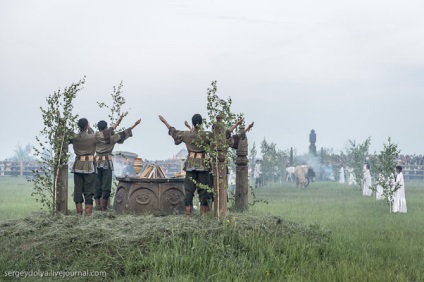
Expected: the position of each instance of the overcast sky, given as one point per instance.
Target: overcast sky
(348, 69)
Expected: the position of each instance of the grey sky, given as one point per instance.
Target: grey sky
(349, 70)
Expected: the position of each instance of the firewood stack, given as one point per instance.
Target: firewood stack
(153, 171)
(180, 174)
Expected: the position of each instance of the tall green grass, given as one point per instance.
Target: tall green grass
(15, 198)
(367, 239)
(327, 232)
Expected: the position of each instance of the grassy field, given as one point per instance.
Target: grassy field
(328, 232)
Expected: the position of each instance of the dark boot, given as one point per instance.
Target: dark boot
(204, 209)
(104, 204)
(88, 210)
(187, 210)
(79, 208)
(98, 204)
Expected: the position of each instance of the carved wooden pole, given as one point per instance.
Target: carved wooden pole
(242, 176)
(220, 170)
(61, 173)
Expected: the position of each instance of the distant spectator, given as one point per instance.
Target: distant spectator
(366, 191)
(399, 200)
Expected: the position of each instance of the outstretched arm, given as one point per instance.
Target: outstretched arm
(162, 119)
(250, 127)
(135, 124)
(187, 125)
(231, 129)
(118, 122)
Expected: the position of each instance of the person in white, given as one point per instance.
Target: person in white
(399, 200)
(379, 191)
(366, 191)
(342, 175)
(257, 173)
(352, 180)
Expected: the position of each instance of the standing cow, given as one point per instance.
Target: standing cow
(290, 173)
(300, 174)
(304, 175)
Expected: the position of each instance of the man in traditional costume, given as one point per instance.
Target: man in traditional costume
(197, 165)
(84, 168)
(106, 140)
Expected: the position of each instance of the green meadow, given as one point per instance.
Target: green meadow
(326, 232)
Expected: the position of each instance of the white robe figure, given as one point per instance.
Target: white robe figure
(379, 191)
(342, 175)
(399, 200)
(366, 191)
(352, 180)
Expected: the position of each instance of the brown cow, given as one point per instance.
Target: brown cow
(300, 172)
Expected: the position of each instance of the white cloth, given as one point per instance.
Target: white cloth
(342, 175)
(352, 180)
(366, 191)
(379, 191)
(257, 172)
(399, 200)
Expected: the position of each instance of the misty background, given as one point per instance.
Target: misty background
(346, 70)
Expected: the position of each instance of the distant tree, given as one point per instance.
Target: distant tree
(273, 162)
(23, 154)
(356, 156)
(384, 165)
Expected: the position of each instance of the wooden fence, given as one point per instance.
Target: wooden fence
(10, 168)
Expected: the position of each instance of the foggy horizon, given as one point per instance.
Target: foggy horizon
(347, 70)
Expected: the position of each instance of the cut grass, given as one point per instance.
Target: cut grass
(328, 232)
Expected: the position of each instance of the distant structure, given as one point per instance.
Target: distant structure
(312, 140)
(181, 155)
(291, 156)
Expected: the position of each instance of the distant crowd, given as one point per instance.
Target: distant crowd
(411, 159)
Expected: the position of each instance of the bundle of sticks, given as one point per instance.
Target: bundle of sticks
(153, 171)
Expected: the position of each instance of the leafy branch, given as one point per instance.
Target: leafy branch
(51, 152)
(384, 164)
(118, 101)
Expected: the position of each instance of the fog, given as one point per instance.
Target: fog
(346, 70)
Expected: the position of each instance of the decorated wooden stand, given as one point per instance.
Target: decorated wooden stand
(151, 193)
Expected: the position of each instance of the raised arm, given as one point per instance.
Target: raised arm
(250, 127)
(162, 119)
(187, 125)
(135, 124)
(118, 122)
(231, 129)
(89, 129)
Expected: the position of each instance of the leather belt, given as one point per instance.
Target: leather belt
(103, 158)
(85, 158)
(194, 155)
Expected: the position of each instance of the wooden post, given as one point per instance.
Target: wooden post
(22, 168)
(220, 170)
(62, 188)
(61, 174)
(242, 175)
